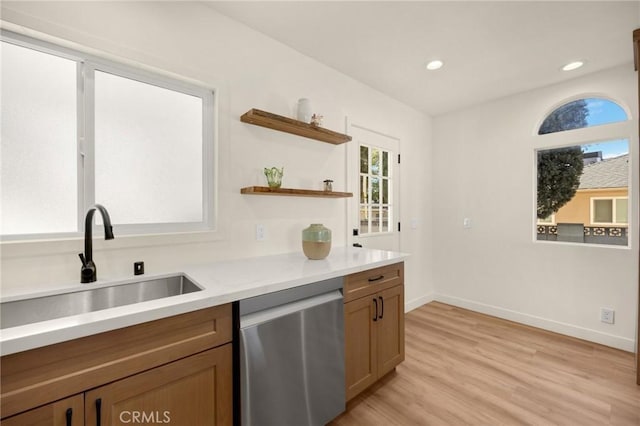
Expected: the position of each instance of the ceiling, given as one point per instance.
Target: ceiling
(490, 49)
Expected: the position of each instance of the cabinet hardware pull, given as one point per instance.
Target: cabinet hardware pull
(375, 316)
(378, 278)
(69, 413)
(98, 411)
(381, 307)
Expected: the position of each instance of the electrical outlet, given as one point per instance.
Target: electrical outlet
(138, 268)
(607, 315)
(260, 233)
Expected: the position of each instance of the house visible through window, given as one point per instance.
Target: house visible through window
(583, 190)
(78, 130)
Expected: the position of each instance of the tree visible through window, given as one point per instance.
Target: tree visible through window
(559, 173)
(375, 187)
(582, 113)
(568, 117)
(583, 186)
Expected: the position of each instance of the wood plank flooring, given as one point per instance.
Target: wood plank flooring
(466, 368)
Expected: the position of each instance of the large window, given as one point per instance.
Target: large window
(77, 130)
(583, 189)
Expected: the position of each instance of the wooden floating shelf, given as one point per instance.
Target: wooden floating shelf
(289, 125)
(265, 190)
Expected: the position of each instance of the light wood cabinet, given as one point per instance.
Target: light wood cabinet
(360, 338)
(390, 329)
(191, 391)
(67, 412)
(374, 325)
(178, 367)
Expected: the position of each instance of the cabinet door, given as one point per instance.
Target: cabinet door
(66, 412)
(360, 343)
(390, 329)
(196, 390)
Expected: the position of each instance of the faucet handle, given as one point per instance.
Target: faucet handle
(88, 270)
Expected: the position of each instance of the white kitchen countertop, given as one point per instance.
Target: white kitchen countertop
(222, 282)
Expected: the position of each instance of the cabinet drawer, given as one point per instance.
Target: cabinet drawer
(39, 376)
(373, 280)
(69, 411)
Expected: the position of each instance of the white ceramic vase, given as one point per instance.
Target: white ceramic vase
(304, 110)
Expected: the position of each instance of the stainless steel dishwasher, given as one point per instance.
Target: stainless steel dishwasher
(292, 356)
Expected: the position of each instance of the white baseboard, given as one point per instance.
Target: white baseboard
(595, 336)
(416, 303)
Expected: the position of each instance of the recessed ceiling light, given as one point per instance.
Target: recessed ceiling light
(573, 66)
(434, 65)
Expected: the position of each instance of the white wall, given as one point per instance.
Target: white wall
(484, 169)
(248, 70)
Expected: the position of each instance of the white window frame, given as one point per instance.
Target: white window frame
(613, 211)
(87, 64)
(389, 204)
(582, 136)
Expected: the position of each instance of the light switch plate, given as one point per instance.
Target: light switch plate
(260, 232)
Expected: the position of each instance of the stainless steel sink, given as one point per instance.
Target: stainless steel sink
(27, 311)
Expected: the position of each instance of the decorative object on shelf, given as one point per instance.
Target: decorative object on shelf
(291, 192)
(289, 125)
(328, 185)
(274, 177)
(316, 241)
(304, 110)
(316, 120)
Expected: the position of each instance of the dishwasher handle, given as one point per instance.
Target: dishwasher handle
(288, 308)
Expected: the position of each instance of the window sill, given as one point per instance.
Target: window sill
(74, 245)
(569, 243)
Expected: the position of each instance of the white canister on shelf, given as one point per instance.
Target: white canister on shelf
(304, 110)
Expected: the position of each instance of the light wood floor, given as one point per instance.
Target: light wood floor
(465, 368)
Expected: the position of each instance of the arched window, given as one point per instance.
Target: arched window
(582, 113)
(582, 191)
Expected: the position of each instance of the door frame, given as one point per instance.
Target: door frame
(351, 154)
(636, 57)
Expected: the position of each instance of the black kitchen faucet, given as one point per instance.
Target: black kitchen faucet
(88, 273)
